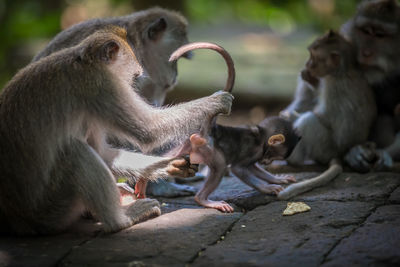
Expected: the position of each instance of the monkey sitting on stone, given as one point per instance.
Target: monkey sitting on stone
(153, 35)
(55, 115)
(343, 115)
(375, 31)
(243, 149)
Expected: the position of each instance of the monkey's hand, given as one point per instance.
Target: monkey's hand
(366, 157)
(361, 157)
(181, 167)
(384, 161)
(225, 101)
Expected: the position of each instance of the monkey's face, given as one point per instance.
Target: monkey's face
(279, 147)
(376, 35)
(163, 37)
(321, 63)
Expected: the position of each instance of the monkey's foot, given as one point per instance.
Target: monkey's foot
(219, 205)
(164, 188)
(143, 209)
(270, 189)
(282, 179)
(140, 210)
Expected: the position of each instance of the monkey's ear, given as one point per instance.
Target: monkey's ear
(109, 51)
(156, 29)
(276, 139)
(335, 57)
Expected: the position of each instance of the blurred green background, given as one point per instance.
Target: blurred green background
(267, 39)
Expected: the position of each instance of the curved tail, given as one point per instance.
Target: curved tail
(205, 45)
(335, 168)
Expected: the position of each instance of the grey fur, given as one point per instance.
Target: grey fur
(50, 111)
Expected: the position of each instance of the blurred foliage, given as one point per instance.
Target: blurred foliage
(26, 25)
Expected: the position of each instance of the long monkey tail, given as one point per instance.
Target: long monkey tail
(335, 168)
(205, 45)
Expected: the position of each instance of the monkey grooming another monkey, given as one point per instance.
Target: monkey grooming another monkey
(343, 115)
(153, 35)
(55, 114)
(375, 31)
(243, 148)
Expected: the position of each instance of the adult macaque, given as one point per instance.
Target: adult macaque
(375, 32)
(243, 148)
(343, 115)
(55, 115)
(153, 35)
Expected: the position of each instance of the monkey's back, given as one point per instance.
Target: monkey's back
(238, 144)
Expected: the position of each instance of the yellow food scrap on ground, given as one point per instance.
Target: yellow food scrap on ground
(295, 207)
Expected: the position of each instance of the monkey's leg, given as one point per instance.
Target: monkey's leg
(94, 184)
(244, 174)
(258, 171)
(217, 167)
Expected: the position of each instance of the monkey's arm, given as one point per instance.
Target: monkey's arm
(137, 166)
(261, 173)
(150, 127)
(305, 99)
(246, 175)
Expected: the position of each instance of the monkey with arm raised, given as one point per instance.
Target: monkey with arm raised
(375, 32)
(343, 115)
(49, 110)
(153, 34)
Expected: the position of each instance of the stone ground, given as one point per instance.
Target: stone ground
(353, 221)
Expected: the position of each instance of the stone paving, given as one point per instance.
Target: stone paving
(353, 221)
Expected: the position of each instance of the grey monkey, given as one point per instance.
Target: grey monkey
(375, 31)
(55, 115)
(343, 115)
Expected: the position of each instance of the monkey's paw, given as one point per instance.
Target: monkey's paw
(271, 189)
(181, 167)
(225, 99)
(143, 209)
(361, 158)
(282, 179)
(219, 205)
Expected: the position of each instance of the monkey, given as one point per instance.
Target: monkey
(343, 115)
(51, 171)
(374, 30)
(153, 34)
(305, 98)
(243, 149)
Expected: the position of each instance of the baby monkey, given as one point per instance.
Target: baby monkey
(243, 148)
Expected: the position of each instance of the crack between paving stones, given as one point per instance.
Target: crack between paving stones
(59, 262)
(228, 229)
(377, 205)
